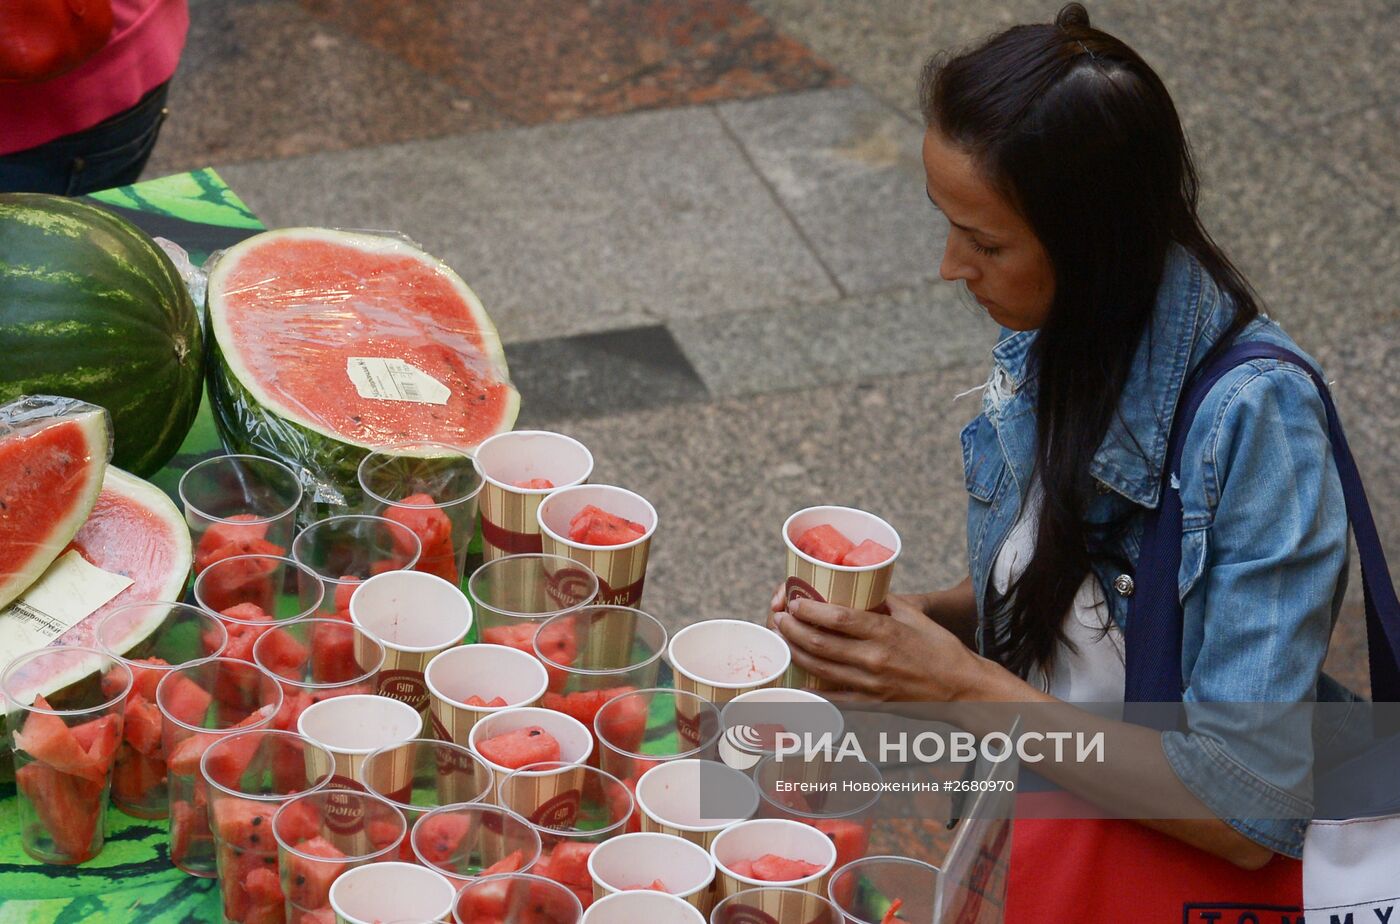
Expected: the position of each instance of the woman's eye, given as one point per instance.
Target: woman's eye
(985, 251)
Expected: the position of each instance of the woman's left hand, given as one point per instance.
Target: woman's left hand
(903, 656)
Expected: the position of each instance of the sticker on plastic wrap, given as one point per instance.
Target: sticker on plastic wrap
(71, 590)
(381, 379)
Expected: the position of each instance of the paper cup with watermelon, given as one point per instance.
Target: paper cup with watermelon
(422, 774)
(250, 775)
(608, 530)
(469, 682)
(64, 748)
(654, 862)
(509, 739)
(431, 488)
(239, 505)
(322, 834)
(415, 616)
(753, 720)
(354, 726)
(516, 898)
(520, 469)
(638, 730)
(317, 659)
(694, 799)
(885, 890)
(650, 906)
(344, 551)
(772, 852)
(718, 659)
(771, 905)
(467, 841)
(391, 891)
(181, 634)
(838, 555)
(200, 703)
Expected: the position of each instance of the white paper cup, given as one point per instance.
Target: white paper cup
(672, 796)
(621, 569)
(718, 659)
(750, 840)
(488, 671)
(630, 860)
(391, 892)
(801, 712)
(642, 908)
(508, 522)
(575, 740)
(415, 615)
(353, 726)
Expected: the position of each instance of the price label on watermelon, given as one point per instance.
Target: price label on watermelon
(381, 379)
(70, 591)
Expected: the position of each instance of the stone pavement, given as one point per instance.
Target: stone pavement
(701, 226)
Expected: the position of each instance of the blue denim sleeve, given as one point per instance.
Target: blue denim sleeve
(1272, 539)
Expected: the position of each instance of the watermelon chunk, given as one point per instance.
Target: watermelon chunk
(773, 868)
(868, 552)
(333, 653)
(851, 840)
(184, 760)
(495, 703)
(592, 526)
(136, 776)
(512, 862)
(535, 484)
(87, 754)
(246, 580)
(299, 822)
(557, 643)
(892, 913)
(742, 868)
(239, 536)
(344, 591)
(825, 543)
(282, 654)
(439, 836)
(143, 679)
(186, 700)
(567, 864)
(99, 739)
(625, 724)
(68, 809)
(53, 452)
(244, 824)
(307, 882)
(515, 749)
(434, 531)
(656, 885)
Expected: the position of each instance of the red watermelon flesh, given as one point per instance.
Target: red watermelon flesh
(343, 592)
(434, 532)
(824, 543)
(623, 725)
(291, 309)
(282, 654)
(240, 578)
(773, 868)
(333, 653)
(84, 751)
(656, 885)
(892, 913)
(512, 862)
(518, 902)
(439, 836)
(99, 738)
(245, 824)
(495, 703)
(53, 452)
(567, 864)
(868, 552)
(307, 882)
(237, 537)
(515, 749)
(186, 700)
(135, 776)
(67, 807)
(536, 484)
(593, 526)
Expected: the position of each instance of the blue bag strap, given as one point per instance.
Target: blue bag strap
(1153, 636)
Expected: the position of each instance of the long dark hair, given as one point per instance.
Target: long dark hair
(1079, 134)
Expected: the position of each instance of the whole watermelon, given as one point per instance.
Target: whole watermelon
(92, 308)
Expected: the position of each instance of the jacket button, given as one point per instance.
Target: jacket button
(1123, 583)
(1100, 487)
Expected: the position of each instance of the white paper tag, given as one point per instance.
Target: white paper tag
(70, 591)
(381, 379)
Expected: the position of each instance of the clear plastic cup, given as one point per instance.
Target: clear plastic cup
(200, 703)
(638, 730)
(512, 595)
(277, 586)
(422, 774)
(239, 504)
(778, 905)
(369, 894)
(322, 834)
(64, 730)
(468, 841)
(432, 489)
(607, 649)
(176, 634)
(866, 890)
(317, 659)
(251, 775)
(516, 898)
(344, 551)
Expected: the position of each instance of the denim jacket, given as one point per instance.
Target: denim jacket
(1264, 550)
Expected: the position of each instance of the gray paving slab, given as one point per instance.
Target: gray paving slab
(847, 167)
(566, 229)
(849, 340)
(1363, 146)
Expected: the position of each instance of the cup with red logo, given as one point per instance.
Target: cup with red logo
(520, 469)
(606, 529)
(354, 726)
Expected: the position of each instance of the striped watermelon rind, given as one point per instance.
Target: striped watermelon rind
(251, 419)
(92, 308)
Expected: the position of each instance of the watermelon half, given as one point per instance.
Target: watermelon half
(295, 313)
(92, 308)
(52, 455)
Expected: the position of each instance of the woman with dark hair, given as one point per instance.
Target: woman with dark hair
(1058, 159)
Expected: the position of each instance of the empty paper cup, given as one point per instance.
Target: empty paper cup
(752, 721)
(621, 569)
(575, 739)
(749, 840)
(640, 861)
(415, 616)
(866, 890)
(431, 488)
(694, 799)
(516, 898)
(242, 503)
(352, 727)
(344, 551)
(862, 587)
(484, 673)
(228, 585)
(384, 891)
(421, 774)
(720, 658)
(638, 730)
(770, 905)
(507, 463)
(463, 842)
(651, 907)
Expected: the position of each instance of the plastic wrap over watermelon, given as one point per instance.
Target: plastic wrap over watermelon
(327, 344)
(53, 452)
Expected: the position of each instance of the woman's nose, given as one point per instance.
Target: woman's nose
(954, 268)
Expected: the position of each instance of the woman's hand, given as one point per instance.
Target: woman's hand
(900, 656)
